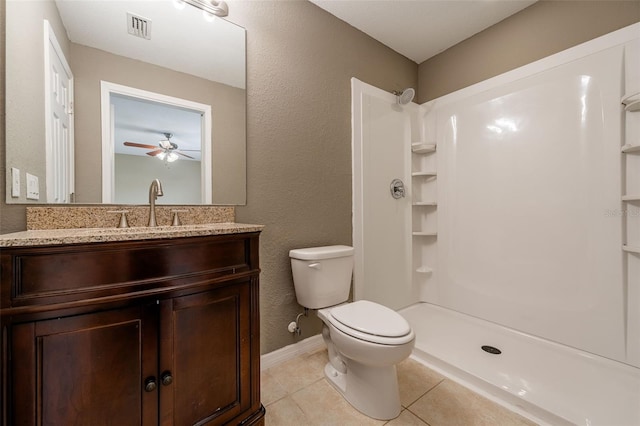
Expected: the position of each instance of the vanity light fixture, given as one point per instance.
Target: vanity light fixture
(213, 7)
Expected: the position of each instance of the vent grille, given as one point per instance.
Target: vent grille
(139, 26)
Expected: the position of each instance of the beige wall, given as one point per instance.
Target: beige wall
(545, 28)
(12, 217)
(299, 62)
(25, 87)
(132, 180)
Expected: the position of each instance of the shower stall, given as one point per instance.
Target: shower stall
(506, 215)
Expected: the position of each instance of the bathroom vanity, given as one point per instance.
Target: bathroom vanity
(131, 327)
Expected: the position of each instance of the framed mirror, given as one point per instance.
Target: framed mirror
(61, 54)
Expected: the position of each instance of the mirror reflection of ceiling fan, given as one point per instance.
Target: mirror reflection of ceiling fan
(166, 150)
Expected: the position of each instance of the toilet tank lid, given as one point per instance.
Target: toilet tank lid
(318, 253)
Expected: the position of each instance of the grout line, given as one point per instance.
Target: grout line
(422, 396)
(424, 393)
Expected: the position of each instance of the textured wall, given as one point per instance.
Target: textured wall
(300, 60)
(12, 217)
(542, 29)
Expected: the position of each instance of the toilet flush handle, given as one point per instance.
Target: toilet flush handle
(314, 265)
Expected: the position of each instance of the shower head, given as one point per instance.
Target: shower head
(405, 96)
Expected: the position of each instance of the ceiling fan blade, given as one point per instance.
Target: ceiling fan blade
(184, 155)
(156, 152)
(140, 145)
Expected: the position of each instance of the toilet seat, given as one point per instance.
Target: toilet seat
(371, 322)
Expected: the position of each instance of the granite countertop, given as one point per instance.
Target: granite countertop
(48, 237)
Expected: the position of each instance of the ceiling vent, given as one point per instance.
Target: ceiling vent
(139, 26)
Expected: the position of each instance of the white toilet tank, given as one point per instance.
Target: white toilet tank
(322, 275)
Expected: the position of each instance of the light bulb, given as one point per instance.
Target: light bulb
(171, 157)
(161, 155)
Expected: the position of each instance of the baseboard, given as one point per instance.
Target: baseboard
(287, 353)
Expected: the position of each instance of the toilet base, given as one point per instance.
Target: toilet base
(371, 390)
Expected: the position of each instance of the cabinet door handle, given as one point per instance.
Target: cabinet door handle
(166, 378)
(150, 384)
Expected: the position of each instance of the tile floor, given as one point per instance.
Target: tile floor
(295, 393)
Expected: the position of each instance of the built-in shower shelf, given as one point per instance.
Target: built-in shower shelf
(424, 270)
(631, 198)
(425, 203)
(631, 249)
(425, 174)
(631, 102)
(423, 148)
(424, 234)
(629, 148)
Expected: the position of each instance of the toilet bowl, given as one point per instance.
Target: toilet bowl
(362, 364)
(365, 340)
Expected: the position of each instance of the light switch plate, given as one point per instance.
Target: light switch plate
(15, 182)
(33, 188)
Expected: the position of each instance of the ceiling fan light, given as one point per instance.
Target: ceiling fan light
(171, 157)
(161, 156)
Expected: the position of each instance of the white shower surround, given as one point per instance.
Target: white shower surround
(530, 218)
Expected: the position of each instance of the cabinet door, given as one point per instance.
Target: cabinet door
(86, 369)
(205, 347)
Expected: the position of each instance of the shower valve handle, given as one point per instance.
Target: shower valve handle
(397, 189)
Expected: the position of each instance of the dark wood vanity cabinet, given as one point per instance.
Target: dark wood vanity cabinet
(132, 333)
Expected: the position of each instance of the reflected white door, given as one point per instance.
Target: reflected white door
(59, 121)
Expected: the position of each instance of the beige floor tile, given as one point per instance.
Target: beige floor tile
(406, 418)
(285, 412)
(297, 373)
(414, 380)
(270, 390)
(318, 359)
(450, 404)
(323, 405)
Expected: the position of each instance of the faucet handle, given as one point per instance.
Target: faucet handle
(176, 218)
(123, 219)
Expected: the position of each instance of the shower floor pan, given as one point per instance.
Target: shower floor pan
(547, 382)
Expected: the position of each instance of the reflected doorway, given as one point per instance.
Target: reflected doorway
(148, 135)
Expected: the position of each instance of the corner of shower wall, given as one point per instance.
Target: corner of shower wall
(381, 213)
(553, 254)
(424, 213)
(630, 210)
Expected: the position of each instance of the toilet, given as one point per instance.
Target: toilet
(365, 340)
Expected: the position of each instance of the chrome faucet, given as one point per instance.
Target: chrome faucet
(155, 191)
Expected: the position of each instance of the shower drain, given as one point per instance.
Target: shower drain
(491, 350)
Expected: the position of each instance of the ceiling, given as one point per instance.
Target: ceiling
(420, 29)
(179, 39)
